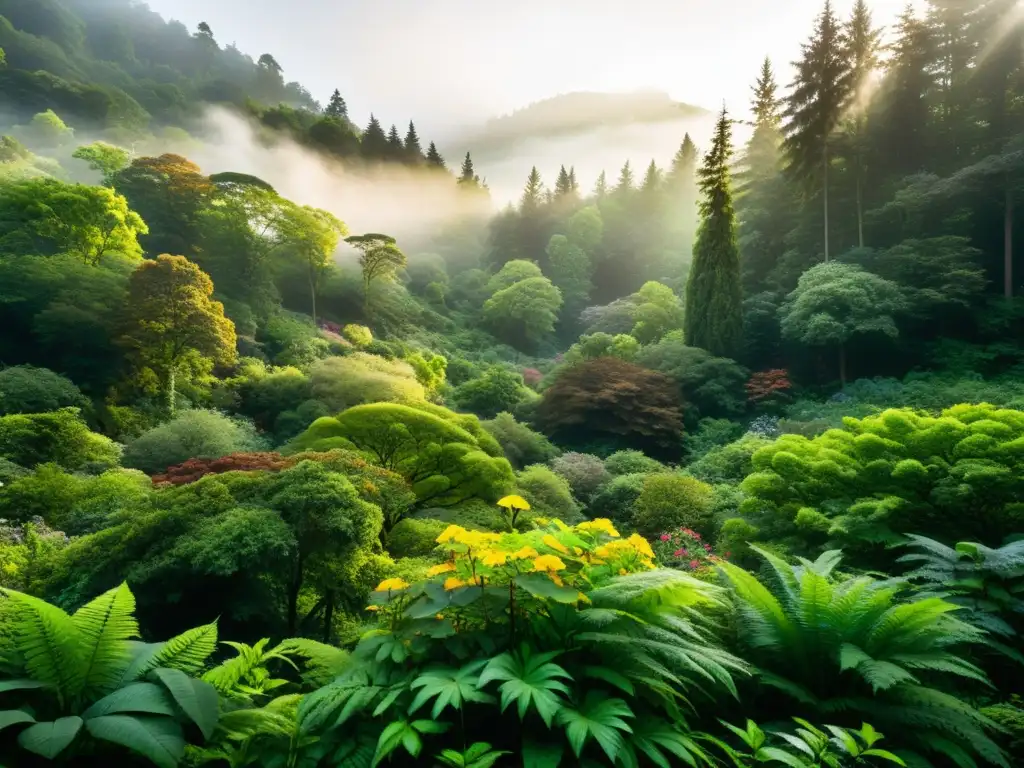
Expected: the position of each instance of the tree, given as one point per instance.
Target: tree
(105, 158)
(525, 312)
(608, 400)
(380, 258)
(195, 434)
(714, 295)
(626, 183)
(171, 317)
(374, 142)
(836, 301)
(336, 107)
(396, 150)
(657, 311)
(601, 186)
(520, 444)
(46, 131)
(570, 270)
(27, 389)
(498, 390)
(60, 437)
(815, 106)
(434, 158)
(48, 217)
(413, 150)
(313, 234)
(468, 178)
(533, 193)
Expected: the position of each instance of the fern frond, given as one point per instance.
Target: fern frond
(106, 624)
(48, 643)
(323, 662)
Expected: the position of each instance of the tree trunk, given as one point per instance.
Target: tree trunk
(842, 364)
(824, 189)
(1008, 242)
(312, 295)
(860, 210)
(328, 615)
(171, 393)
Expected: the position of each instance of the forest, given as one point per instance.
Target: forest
(718, 464)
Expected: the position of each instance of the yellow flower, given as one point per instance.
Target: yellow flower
(581, 596)
(541, 520)
(641, 545)
(578, 551)
(514, 502)
(442, 568)
(373, 607)
(602, 524)
(439, 617)
(551, 541)
(622, 571)
(476, 539)
(450, 533)
(557, 579)
(391, 585)
(525, 553)
(560, 525)
(493, 557)
(548, 563)
(453, 583)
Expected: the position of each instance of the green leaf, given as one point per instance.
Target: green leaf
(396, 734)
(48, 641)
(10, 717)
(105, 624)
(539, 585)
(196, 698)
(20, 684)
(539, 754)
(50, 739)
(136, 697)
(779, 756)
(158, 738)
(611, 677)
(597, 717)
(529, 680)
(187, 652)
(429, 726)
(883, 754)
(448, 687)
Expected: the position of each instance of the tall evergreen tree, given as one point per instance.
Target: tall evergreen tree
(574, 185)
(761, 158)
(533, 193)
(374, 142)
(336, 107)
(563, 186)
(413, 150)
(467, 175)
(684, 164)
(396, 150)
(434, 158)
(652, 179)
(815, 107)
(601, 186)
(863, 44)
(714, 297)
(953, 51)
(626, 182)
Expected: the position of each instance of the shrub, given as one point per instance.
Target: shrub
(585, 473)
(360, 378)
(191, 434)
(632, 463)
(728, 463)
(532, 377)
(616, 499)
(610, 398)
(710, 434)
(26, 389)
(358, 335)
(521, 445)
(549, 494)
(290, 339)
(769, 388)
(592, 346)
(415, 537)
(60, 437)
(196, 469)
(499, 389)
(670, 501)
(686, 550)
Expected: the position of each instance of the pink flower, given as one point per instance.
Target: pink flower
(695, 535)
(695, 564)
(728, 554)
(707, 547)
(685, 552)
(679, 553)
(665, 537)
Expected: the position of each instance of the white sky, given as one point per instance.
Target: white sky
(446, 63)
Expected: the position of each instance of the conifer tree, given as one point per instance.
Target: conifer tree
(467, 176)
(601, 187)
(574, 185)
(684, 164)
(396, 150)
(863, 43)
(562, 183)
(626, 183)
(815, 107)
(952, 56)
(374, 142)
(652, 179)
(533, 193)
(413, 150)
(761, 159)
(336, 107)
(434, 158)
(714, 298)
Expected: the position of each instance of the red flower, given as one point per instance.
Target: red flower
(679, 553)
(665, 537)
(707, 547)
(695, 564)
(685, 553)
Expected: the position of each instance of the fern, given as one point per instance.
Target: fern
(322, 662)
(187, 652)
(105, 624)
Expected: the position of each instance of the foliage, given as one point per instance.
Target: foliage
(611, 400)
(359, 335)
(198, 468)
(871, 657)
(190, 435)
(585, 473)
(497, 390)
(685, 549)
(548, 494)
(524, 313)
(27, 389)
(594, 345)
(631, 463)
(415, 537)
(520, 444)
(808, 746)
(61, 437)
(728, 463)
(767, 388)
(670, 501)
(360, 378)
(656, 311)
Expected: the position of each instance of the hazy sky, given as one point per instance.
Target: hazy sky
(446, 62)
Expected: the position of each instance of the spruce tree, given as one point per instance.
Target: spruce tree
(574, 185)
(819, 96)
(467, 175)
(563, 186)
(761, 158)
(434, 158)
(413, 150)
(953, 51)
(374, 142)
(601, 187)
(533, 193)
(684, 164)
(336, 107)
(396, 150)
(626, 184)
(863, 44)
(652, 179)
(714, 298)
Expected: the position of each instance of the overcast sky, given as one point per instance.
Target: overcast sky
(449, 62)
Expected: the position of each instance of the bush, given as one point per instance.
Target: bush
(26, 389)
(670, 501)
(290, 339)
(191, 435)
(585, 473)
(616, 499)
(60, 437)
(608, 398)
(498, 390)
(360, 378)
(415, 537)
(728, 463)
(549, 494)
(196, 469)
(632, 463)
(358, 335)
(521, 445)
(710, 434)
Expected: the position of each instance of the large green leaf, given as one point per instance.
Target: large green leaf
(448, 687)
(158, 738)
(599, 718)
(20, 684)
(105, 624)
(10, 717)
(49, 642)
(137, 697)
(196, 698)
(539, 585)
(187, 652)
(530, 680)
(50, 739)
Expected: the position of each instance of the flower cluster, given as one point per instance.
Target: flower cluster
(684, 550)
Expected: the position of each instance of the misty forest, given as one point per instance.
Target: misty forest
(317, 451)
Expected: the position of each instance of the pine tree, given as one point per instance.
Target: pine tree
(563, 186)
(652, 180)
(413, 150)
(533, 193)
(863, 44)
(815, 106)
(953, 51)
(626, 182)
(467, 176)
(601, 187)
(396, 150)
(684, 163)
(574, 185)
(336, 107)
(761, 159)
(714, 297)
(434, 158)
(374, 142)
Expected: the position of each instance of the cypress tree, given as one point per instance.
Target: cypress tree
(815, 106)
(374, 142)
(336, 107)
(434, 158)
(413, 150)
(714, 298)
(863, 43)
